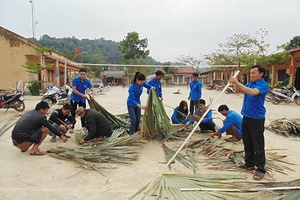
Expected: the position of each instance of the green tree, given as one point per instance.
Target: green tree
(133, 48)
(293, 44)
(191, 60)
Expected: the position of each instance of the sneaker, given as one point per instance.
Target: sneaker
(244, 166)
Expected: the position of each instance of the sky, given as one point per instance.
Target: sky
(173, 27)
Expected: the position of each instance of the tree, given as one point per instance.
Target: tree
(133, 48)
(293, 44)
(191, 60)
(240, 49)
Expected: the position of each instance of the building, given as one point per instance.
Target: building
(183, 75)
(16, 50)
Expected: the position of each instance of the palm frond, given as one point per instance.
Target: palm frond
(285, 127)
(156, 123)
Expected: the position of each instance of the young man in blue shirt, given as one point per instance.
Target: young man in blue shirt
(156, 83)
(232, 124)
(79, 85)
(195, 93)
(253, 112)
(207, 124)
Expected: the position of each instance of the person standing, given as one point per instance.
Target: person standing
(62, 120)
(79, 86)
(253, 112)
(32, 128)
(232, 124)
(156, 83)
(134, 102)
(97, 125)
(195, 93)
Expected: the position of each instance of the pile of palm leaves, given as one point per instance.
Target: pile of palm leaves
(218, 151)
(119, 150)
(156, 123)
(286, 127)
(217, 186)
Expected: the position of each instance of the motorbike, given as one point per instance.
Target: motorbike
(15, 101)
(286, 95)
(55, 95)
(230, 89)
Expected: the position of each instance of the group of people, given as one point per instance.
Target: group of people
(249, 127)
(33, 127)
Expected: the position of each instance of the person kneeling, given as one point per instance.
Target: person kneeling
(97, 125)
(232, 124)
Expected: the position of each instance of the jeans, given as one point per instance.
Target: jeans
(135, 116)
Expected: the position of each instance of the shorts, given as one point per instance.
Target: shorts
(34, 137)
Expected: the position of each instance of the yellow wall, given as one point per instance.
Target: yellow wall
(14, 52)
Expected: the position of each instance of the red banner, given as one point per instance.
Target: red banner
(291, 69)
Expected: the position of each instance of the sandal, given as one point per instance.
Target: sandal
(230, 139)
(258, 175)
(38, 153)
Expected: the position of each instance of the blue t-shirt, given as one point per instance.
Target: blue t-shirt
(134, 93)
(232, 119)
(81, 86)
(196, 90)
(253, 106)
(177, 117)
(157, 84)
(207, 119)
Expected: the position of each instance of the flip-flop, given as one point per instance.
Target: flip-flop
(231, 140)
(258, 175)
(38, 153)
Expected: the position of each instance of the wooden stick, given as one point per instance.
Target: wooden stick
(241, 190)
(191, 133)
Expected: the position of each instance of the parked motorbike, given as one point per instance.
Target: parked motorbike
(55, 95)
(286, 95)
(15, 101)
(230, 89)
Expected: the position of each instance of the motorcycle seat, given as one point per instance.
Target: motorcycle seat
(7, 96)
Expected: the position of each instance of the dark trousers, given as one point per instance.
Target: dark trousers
(74, 105)
(207, 126)
(193, 106)
(135, 116)
(254, 142)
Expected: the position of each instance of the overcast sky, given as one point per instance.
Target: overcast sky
(172, 27)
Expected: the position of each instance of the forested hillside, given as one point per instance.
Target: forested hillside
(91, 51)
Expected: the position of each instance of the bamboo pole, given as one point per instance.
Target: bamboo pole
(240, 190)
(191, 133)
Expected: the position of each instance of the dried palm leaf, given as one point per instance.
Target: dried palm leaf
(120, 150)
(115, 122)
(156, 123)
(286, 127)
(188, 160)
(168, 186)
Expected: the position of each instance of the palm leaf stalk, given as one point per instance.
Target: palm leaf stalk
(188, 161)
(156, 123)
(286, 127)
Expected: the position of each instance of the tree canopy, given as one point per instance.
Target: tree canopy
(133, 48)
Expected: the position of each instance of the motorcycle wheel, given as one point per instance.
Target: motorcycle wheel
(269, 97)
(297, 100)
(49, 102)
(19, 105)
(275, 100)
